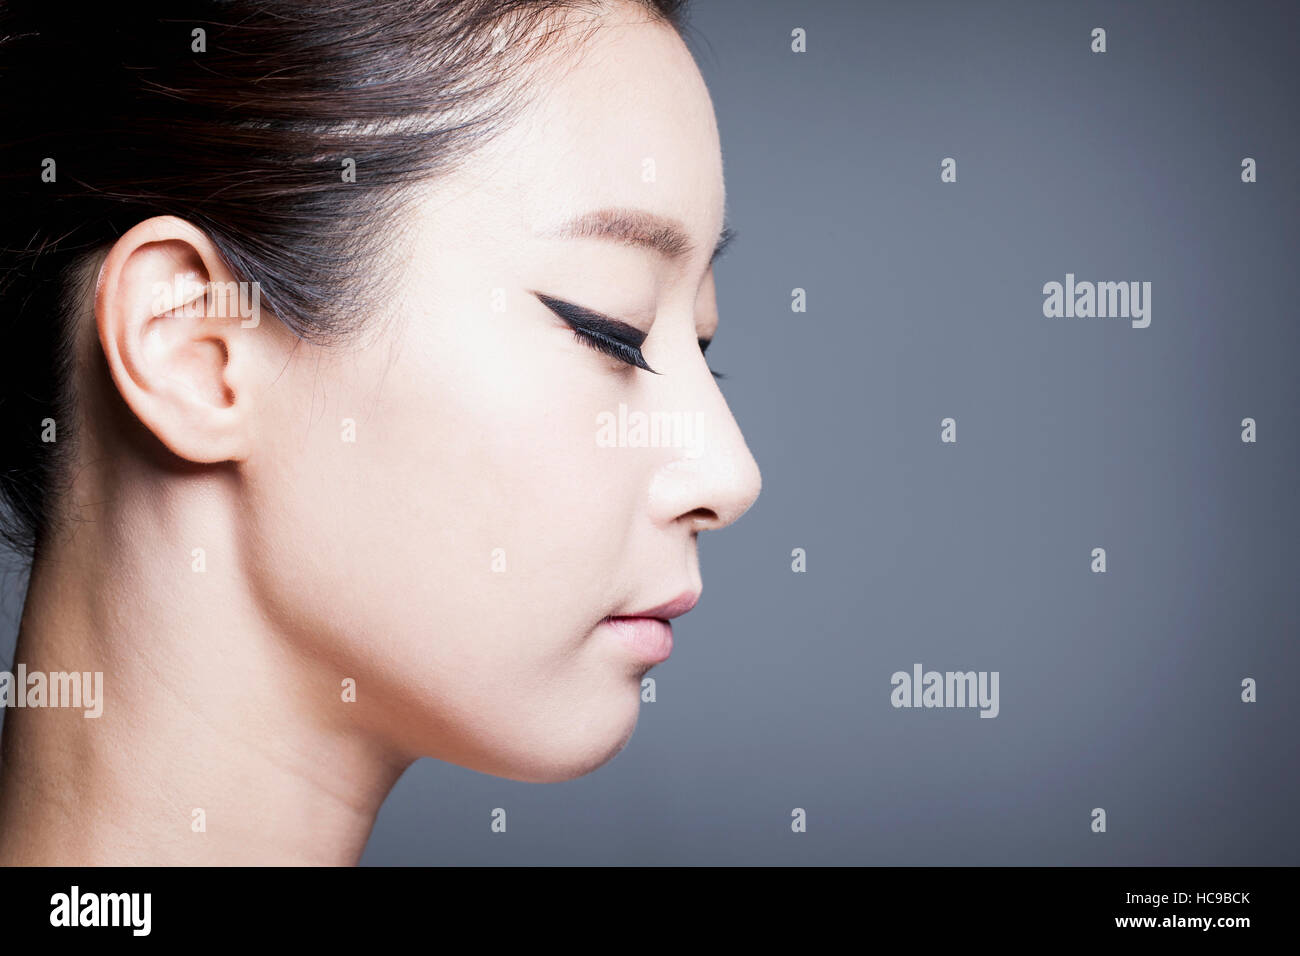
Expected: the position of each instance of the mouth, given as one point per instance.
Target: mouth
(650, 633)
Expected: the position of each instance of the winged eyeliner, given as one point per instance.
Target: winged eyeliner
(614, 338)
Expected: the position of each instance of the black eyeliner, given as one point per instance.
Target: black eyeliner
(612, 347)
(614, 338)
(593, 321)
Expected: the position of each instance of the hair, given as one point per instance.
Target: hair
(238, 117)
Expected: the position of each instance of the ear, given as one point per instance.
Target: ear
(181, 336)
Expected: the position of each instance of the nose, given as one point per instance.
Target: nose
(713, 479)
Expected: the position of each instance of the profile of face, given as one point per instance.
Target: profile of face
(441, 513)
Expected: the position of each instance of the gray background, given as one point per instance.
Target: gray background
(925, 301)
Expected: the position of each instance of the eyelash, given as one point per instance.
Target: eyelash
(624, 351)
(603, 342)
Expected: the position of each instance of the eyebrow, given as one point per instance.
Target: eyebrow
(637, 227)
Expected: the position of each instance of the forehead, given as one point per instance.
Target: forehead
(619, 117)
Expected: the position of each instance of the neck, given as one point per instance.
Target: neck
(218, 743)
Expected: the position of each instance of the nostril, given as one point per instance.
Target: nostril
(704, 516)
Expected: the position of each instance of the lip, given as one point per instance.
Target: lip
(669, 609)
(650, 633)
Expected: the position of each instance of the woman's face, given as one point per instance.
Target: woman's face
(448, 514)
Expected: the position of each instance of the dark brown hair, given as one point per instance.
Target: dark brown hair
(237, 116)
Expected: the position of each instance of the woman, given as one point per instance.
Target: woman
(315, 321)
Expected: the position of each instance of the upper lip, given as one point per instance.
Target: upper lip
(669, 609)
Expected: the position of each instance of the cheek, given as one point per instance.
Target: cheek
(446, 521)
(532, 517)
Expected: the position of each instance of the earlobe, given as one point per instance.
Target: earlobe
(175, 340)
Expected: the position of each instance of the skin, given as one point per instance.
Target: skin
(371, 560)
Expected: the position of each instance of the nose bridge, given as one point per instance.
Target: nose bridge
(709, 477)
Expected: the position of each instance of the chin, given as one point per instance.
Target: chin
(574, 749)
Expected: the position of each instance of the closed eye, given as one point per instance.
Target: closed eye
(613, 347)
(606, 335)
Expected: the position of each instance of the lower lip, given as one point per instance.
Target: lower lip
(650, 637)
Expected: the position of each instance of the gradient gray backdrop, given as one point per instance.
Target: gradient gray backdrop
(1118, 690)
